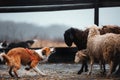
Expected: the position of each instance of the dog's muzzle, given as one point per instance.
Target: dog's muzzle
(52, 50)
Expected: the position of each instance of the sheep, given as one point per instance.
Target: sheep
(110, 29)
(104, 48)
(83, 55)
(79, 38)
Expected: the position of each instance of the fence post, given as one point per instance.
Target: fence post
(96, 12)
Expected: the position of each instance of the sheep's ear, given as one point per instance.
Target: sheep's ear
(83, 55)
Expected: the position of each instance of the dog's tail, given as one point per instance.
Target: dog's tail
(4, 57)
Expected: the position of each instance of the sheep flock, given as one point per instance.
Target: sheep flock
(102, 48)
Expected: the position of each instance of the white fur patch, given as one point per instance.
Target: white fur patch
(52, 50)
(1, 57)
(38, 71)
(39, 51)
(1, 45)
(44, 57)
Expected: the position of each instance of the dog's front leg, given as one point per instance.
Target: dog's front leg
(38, 71)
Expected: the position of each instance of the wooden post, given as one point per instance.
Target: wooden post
(96, 13)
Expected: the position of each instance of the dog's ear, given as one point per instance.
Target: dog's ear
(43, 52)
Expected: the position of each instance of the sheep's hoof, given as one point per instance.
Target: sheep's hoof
(117, 73)
(102, 72)
(86, 70)
(79, 72)
(89, 73)
(108, 76)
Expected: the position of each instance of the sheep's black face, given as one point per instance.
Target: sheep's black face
(68, 42)
(68, 38)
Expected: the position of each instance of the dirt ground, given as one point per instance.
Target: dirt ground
(61, 71)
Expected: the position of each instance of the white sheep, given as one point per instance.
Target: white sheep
(81, 55)
(103, 48)
(84, 55)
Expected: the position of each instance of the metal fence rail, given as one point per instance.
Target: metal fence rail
(53, 5)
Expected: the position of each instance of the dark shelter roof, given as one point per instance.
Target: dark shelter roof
(53, 5)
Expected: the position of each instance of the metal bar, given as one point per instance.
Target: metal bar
(40, 2)
(45, 8)
(96, 12)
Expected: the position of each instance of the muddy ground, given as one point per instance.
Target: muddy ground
(61, 71)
